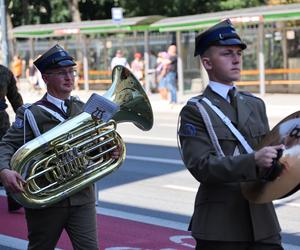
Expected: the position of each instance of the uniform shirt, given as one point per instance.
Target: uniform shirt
(57, 102)
(221, 89)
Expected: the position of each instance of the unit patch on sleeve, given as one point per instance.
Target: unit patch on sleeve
(18, 123)
(189, 129)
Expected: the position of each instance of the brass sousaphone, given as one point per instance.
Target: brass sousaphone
(286, 132)
(77, 152)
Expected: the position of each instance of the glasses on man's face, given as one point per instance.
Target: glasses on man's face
(64, 73)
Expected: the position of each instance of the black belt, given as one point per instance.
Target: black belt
(3, 105)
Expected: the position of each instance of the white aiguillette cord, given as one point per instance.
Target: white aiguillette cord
(229, 124)
(209, 127)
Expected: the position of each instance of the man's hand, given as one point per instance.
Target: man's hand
(12, 181)
(264, 157)
(117, 152)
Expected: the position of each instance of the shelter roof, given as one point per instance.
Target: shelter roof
(84, 27)
(268, 13)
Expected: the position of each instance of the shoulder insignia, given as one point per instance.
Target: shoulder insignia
(18, 123)
(188, 129)
(248, 94)
(195, 99)
(76, 98)
(27, 105)
(245, 93)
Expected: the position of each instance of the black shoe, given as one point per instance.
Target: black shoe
(12, 205)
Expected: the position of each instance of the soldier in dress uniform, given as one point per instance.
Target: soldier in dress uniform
(217, 135)
(9, 90)
(76, 214)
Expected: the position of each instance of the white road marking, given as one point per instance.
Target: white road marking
(188, 189)
(287, 203)
(150, 138)
(142, 218)
(13, 242)
(16, 243)
(290, 247)
(154, 159)
(167, 125)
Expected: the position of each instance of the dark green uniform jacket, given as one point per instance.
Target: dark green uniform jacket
(14, 139)
(221, 212)
(8, 89)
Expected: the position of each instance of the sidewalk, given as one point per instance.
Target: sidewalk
(158, 105)
(278, 105)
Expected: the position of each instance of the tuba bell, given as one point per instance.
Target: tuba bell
(77, 152)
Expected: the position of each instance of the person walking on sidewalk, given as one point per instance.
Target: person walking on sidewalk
(17, 68)
(119, 59)
(220, 155)
(171, 73)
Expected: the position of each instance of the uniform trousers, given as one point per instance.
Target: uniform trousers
(272, 243)
(46, 225)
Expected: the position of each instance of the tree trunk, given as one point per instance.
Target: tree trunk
(25, 14)
(74, 10)
(11, 40)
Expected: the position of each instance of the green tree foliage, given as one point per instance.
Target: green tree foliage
(238, 4)
(167, 7)
(29, 11)
(46, 11)
(95, 9)
(60, 11)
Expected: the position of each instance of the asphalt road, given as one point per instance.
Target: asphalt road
(153, 182)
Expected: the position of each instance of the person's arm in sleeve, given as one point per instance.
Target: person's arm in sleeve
(13, 95)
(200, 156)
(11, 142)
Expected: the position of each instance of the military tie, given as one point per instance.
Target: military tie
(67, 103)
(232, 97)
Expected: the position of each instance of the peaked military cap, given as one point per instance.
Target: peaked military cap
(55, 57)
(221, 34)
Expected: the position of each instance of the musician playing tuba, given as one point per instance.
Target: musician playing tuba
(76, 214)
(217, 134)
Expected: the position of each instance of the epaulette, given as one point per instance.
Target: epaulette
(194, 99)
(248, 94)
(76, 98)
(27, 105)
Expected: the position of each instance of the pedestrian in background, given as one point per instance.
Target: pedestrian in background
(31, 75)
(17, 68)
(219, 158)
(161, 71)
(9, 91)
(171, 73)
(119, 59)
(151, 71)
(137, 67)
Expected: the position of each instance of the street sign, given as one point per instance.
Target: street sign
(117, 14)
